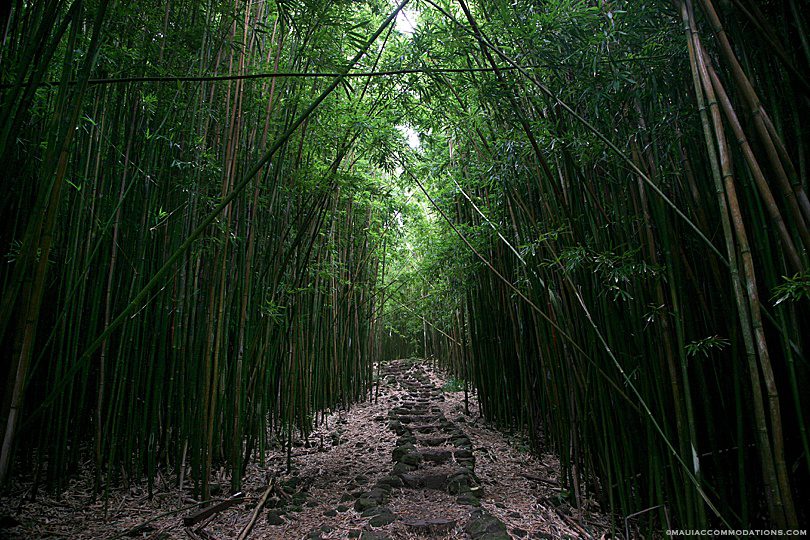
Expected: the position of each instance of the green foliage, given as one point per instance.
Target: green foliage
(453, 385)
(704, 346)
(792, 289)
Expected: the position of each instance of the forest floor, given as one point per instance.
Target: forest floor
(408, 464)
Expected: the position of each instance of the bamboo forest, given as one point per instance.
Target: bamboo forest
(393, 269)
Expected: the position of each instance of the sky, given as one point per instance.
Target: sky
(406, 22)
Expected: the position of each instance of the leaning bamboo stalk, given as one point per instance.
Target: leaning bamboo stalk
(780, 496)
(775, 416)
(792, 193)
(753, 166)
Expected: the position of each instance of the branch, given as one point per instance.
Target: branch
(293, 74)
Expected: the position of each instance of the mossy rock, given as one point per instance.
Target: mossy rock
(484, 526)
(468, 499)
(459, 483)
(371, 535)
(382, 486)
(378, 494)
(402, 451)
(382, 519)
(361, 479)
(403, 468)
(392, 481)
(412, 458)
(274, 518)
(291, 484)
(462, 442)
(406, 439)
(364, 503)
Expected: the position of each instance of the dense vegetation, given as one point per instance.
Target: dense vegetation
(213, 228)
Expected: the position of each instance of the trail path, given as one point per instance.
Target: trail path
(409, 464)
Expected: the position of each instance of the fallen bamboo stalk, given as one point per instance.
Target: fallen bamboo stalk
(243, 534)
(199, 515)
(138, 527)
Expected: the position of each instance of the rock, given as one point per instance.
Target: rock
(383, 518)
(403, 468)
(459, 483)
(432, 527)
(411, 458)
(427, 480)
(371, 535)
(274, 518)
(373, 511)
(462, 442)
(291, 484)
(406, 439)
(433, 441)
(364, 503)
(468, 499)
(361, 480)
(381, 486)
(484, 526)
(402, 451)
(378, 494)
(435, 456)
(393, 481)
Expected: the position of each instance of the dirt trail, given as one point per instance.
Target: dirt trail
(409, 465)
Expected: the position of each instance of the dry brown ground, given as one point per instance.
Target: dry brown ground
(519, 489)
